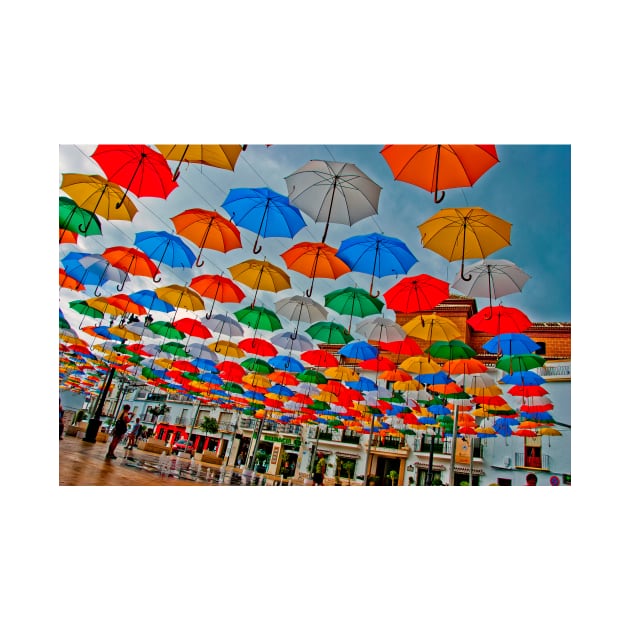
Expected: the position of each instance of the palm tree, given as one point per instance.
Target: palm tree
(209, 425)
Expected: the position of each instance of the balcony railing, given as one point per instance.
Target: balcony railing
(388, 442)
(523, 461)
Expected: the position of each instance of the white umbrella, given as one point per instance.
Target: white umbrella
(381, 329)
(491, 279)
(333, 192)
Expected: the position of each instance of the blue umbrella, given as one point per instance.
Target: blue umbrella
(361, 350)
(285, 363)
(376, 254)
(151, 301)
(205, 364)
(538, 416)
(90, 269)
(437, 378)
(210, 378)
(263, 211)
(511, 343)
(364, 384)
(165, 248)
(439, 410)
(525, 377)
(281, 390)
(502, 427)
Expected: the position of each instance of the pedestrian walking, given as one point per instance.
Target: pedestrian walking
(134, 434)
(120, 428)
(320, 470)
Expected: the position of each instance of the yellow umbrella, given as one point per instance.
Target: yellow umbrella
(419, 365)
(260, 275)
(101, 304)
(326, 397)
(99, 196)
(461, 233)
(406, 386)
(341, 373)
(227, 348)
(125, 333)
(432, 328)
(257, 380)
(218, 155)
(165, 363)
(181, 297)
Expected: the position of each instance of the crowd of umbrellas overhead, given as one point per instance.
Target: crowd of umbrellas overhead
(211, 337)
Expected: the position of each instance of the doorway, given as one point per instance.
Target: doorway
(384, 467)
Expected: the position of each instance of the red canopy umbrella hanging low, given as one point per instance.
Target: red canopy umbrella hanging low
(132, 261)
(192, 327)
(416, 293)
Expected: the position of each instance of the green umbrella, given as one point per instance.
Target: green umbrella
(172, 347)
(353, 301)
(318, 405)
(257, 365)
(82, 307)
(449, 350)
(232, 387)
(258, 317)
(519, 362)
(311, 376)
(77, 220)
(329, 332)
(166, 330)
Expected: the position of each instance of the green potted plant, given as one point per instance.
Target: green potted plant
(393, 476)
(348, 468)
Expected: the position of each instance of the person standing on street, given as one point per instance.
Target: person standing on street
(120, 428)
(134, 434)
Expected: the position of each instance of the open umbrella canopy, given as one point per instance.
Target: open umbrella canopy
(449, 350)
(381, 329)
(218, 155)
(137, 168)
(519, 362)
(329, 332)
(165, 248)
(264, 212)
(315, 260)
(99, 197)
(285, 363)
(377, 255)
(511, 343)
(292, 341)
(254, 364)
(224, 324)
(353, 301)
(419, 365)
(76, 220)
(166, 330)
(436, 167)
(207, 229)
(416, 293)
(259, 318)
(125, 303)
(258, 346)
(490, 279)
(90, 269)
(151, 301)
(260, 275)
(523, 377)
(192, 327)
(432, 328)
(68, 282)
(359, 350)
(500, 319)
(132, 261)
(181, 297)
(333, 192)
(461, 233)
(319, 358)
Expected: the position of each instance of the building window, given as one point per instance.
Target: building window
(542, 349)
(502, 481)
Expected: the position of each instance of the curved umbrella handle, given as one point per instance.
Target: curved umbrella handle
(120, 287)
(435, 196)
(464, 277)
(257, 248)
(96, 292)
(309, 292)
(155, 277)
(199, 262)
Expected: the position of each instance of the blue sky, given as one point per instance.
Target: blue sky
(529, 187)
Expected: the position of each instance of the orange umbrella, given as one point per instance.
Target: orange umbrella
(315, 260)
(125, 303)
(218, 288)
(464, 366)
(435, 167)
(208, 229)
(65, 236)
(68, 282)
(132, 261)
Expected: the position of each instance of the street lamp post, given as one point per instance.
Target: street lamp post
(369, 448)
(429, 478)
(95, 422)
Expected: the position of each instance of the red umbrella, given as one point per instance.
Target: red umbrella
(283, 378)
(527, 390)
(408, 347)
(378, 364)
(416, 293)
(260, 347)
(229, 371)
(137, 167)
(68, 282)
(496, 320)
(319, 358)
(192, 327)
(125, 303)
